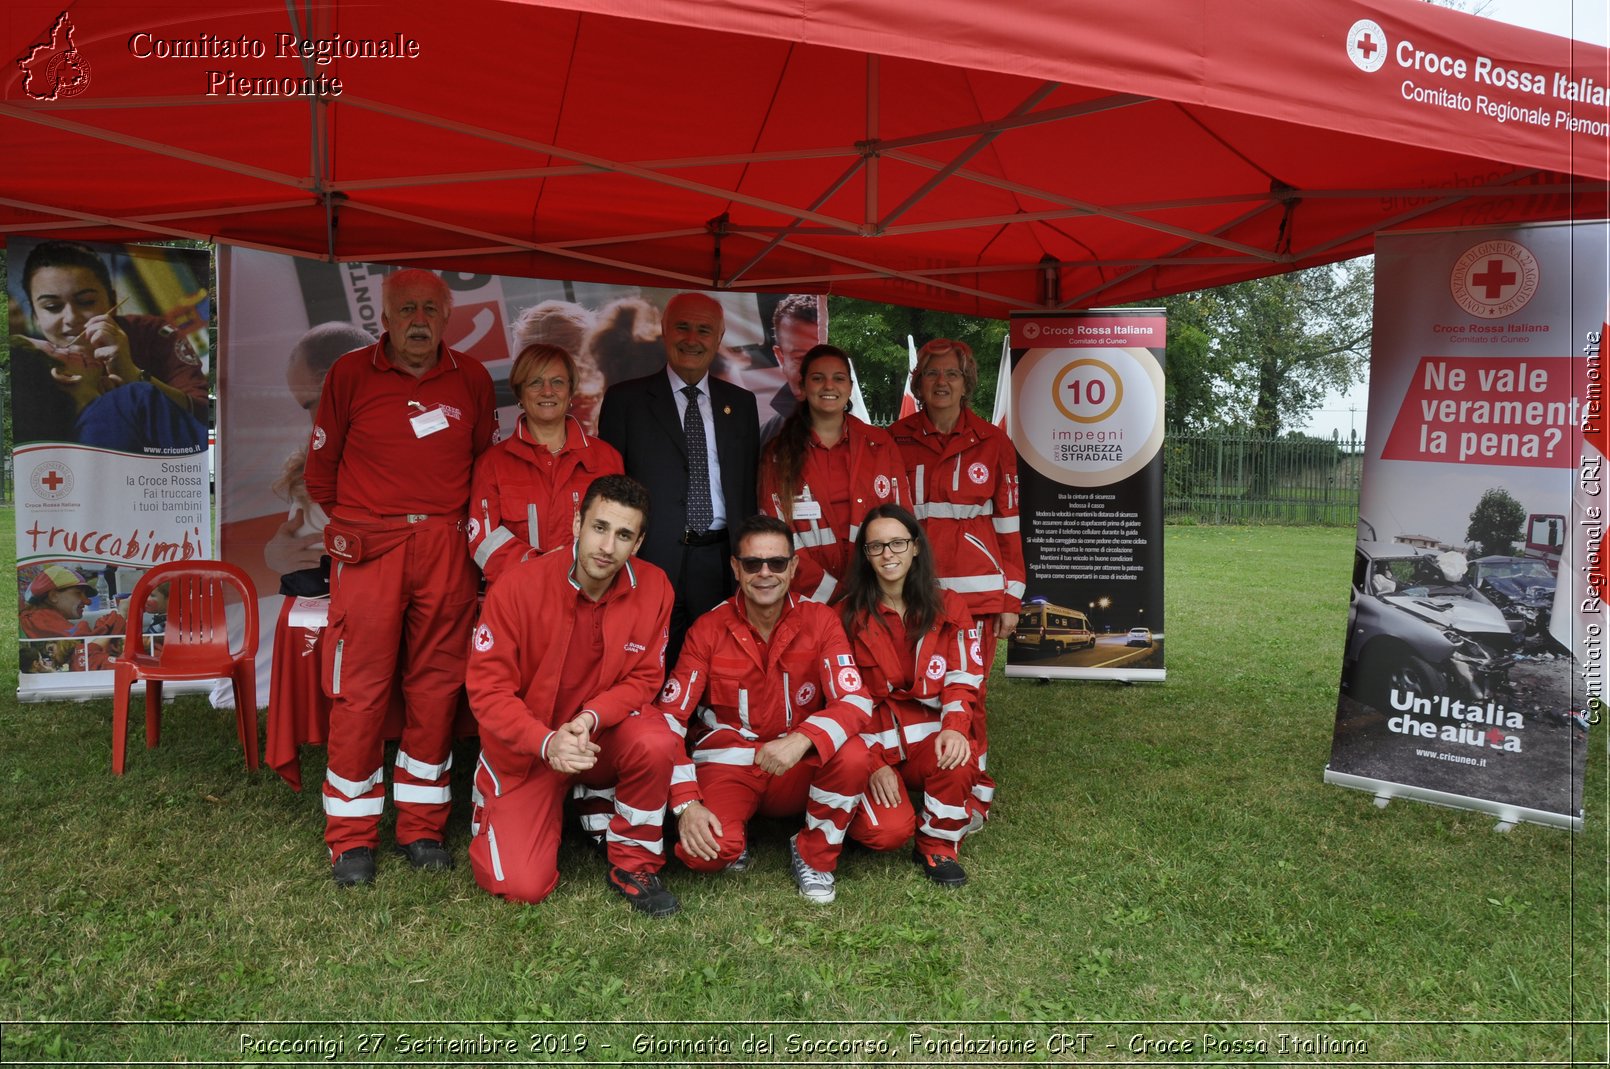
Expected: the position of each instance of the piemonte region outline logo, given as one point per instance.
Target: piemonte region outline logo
(1366, 45)
(54, 69)
(1494, 278)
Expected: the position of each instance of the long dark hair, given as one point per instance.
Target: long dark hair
(786, 451)
(922, 595)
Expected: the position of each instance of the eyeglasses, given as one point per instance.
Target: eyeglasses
(949, 373)
(752, 565)
(897, 545)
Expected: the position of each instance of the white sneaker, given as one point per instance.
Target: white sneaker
(816, 886)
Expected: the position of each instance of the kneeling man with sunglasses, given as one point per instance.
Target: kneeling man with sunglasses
(775, 688)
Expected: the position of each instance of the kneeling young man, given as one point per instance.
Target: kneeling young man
(785, 708)
(562, 675)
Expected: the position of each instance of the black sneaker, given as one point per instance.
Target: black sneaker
(426, 855)
(944, 871)
(643, 890)
(353, 867)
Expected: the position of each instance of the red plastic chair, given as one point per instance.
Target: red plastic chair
(195, 646)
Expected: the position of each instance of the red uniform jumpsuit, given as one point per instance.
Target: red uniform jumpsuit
(964, 485)
(406, 487)
(523, 497)
(748, 692)
(916, 694)
(542, 653)
(838, 486)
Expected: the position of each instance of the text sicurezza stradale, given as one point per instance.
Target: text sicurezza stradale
(318, 51)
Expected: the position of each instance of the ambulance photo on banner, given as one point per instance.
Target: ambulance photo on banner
(289, 319)
(1472, 629)
(110, 413)
(1086, 415)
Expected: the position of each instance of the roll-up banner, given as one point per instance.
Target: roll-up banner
(110, 414)
(1086, 415)
(289, 319)
(1475, 636)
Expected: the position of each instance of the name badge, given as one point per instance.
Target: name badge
(807, 508)
(428, 422)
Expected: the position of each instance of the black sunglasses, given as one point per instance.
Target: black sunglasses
(752, 565)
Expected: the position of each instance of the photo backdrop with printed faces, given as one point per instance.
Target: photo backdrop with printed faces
(109, 356)
(288, 319)
(1474, 634)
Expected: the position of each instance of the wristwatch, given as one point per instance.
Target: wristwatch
(677, 811)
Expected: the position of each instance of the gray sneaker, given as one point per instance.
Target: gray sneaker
(741, 862)
(816, 886)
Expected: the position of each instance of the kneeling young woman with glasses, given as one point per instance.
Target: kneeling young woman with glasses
(918, 651)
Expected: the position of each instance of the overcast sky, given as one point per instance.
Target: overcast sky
(1586, 20)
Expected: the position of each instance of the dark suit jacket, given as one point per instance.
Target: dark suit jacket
(643, 421)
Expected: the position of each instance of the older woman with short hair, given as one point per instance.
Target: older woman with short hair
(527, 487)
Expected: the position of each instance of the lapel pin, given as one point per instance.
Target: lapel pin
(726, 410)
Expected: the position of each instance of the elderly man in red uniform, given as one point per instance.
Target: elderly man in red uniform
(398, 429)
(566, 660)
(784, 706)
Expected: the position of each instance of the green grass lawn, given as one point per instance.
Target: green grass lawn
(1160, 853)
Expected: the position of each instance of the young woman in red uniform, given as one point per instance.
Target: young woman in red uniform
(963, 473)
(527, 487)
(919, 654)
(824, 470)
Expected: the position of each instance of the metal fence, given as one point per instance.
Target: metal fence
(1213, 478)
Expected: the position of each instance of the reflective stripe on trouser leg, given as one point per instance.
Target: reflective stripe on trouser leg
(984, 787)
(637, 755)
(834, 796)
(516, 846)
(440, 582)
(367, 606)
(596, 807)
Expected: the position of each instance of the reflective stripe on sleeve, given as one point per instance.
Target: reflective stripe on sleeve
(863, 704)
(919, 731)
(831, 727)
(1015, 589)
(495, 540)
(888, 739)
(1006, 525)
(973, 584)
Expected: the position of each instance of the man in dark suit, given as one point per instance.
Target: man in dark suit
(694, 441)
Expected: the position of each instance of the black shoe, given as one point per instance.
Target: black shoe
(941, 869)
(427, 855)
(643, 890)
(353, 867)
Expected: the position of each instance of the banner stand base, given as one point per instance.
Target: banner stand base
(1508, 815)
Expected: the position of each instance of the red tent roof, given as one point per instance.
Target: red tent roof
(950, 154)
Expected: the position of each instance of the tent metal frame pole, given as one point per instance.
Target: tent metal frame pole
(532, 246)
(1178, 251)
(995, 269)
(906, 275)
(618, 167)
(1096, 210)
(874, 103)
(958, 161)
(826, 195)
(157, 148)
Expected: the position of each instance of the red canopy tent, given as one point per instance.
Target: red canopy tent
(951, 154)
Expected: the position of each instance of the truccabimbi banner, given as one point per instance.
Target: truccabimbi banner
(1475, 635)
(1086, 415)
(110, 413)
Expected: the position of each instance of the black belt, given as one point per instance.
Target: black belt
(704, 538)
